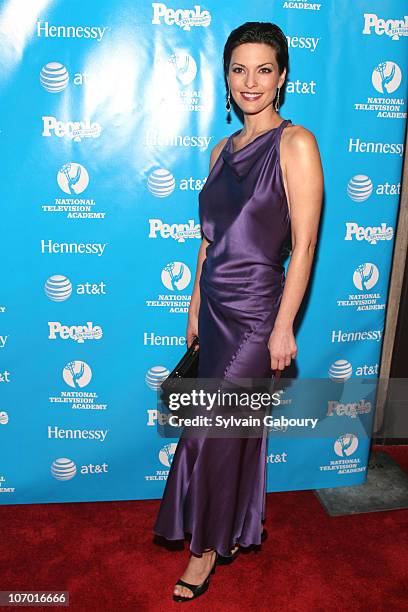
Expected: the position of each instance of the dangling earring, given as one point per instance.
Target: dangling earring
(228, 105)
(277, 101)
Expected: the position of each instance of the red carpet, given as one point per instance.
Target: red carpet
(104, 555)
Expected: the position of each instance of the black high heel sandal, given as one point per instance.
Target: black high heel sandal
(196, 589)
(228, 560)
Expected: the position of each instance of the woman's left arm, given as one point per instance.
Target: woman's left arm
(302, 169)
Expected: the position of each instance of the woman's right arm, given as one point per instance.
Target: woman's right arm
(192, 325)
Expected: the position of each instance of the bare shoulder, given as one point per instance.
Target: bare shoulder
(297, 139)
(216, 150)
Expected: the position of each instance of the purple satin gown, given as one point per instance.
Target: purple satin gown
(216, 488)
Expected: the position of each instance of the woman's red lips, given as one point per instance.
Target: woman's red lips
(250, 96)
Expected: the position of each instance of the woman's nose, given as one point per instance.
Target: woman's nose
(250, 80)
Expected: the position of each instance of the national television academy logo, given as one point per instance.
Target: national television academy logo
(366, 276)
(166, 454)
(77, 374)
(386, 77)
(176, 276)
(73, 178)
(184, 67)
(346, 445)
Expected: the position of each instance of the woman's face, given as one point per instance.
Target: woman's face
(254, 70)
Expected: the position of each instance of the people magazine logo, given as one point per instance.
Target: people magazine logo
(59, 288)
(371, 234)
(175, 277)
(351, 409)
(344, 447)
(72, 130)
(184, 18)
(64, 469)
(77, 375)
(77, 333)
(380, 26)
(364, 278)
(386, 78)
(180, 232)
(73, 180)
(360, 188)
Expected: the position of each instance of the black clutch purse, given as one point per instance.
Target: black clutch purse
(187, 367)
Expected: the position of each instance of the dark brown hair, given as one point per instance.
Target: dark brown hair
(258, 32)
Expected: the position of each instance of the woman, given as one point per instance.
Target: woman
(264, 187)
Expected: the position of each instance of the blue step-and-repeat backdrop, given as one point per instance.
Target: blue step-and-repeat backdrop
(109, 111)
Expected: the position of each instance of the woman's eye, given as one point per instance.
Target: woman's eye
(237, 69)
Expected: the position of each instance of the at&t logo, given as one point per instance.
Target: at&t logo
(340, 370)
(65, 469)
(359, 188)
(155, 376)
(161, 183)
(58, 288)
(54, 77)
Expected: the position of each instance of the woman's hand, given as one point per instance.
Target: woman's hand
(282, 347)
(192, 327)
